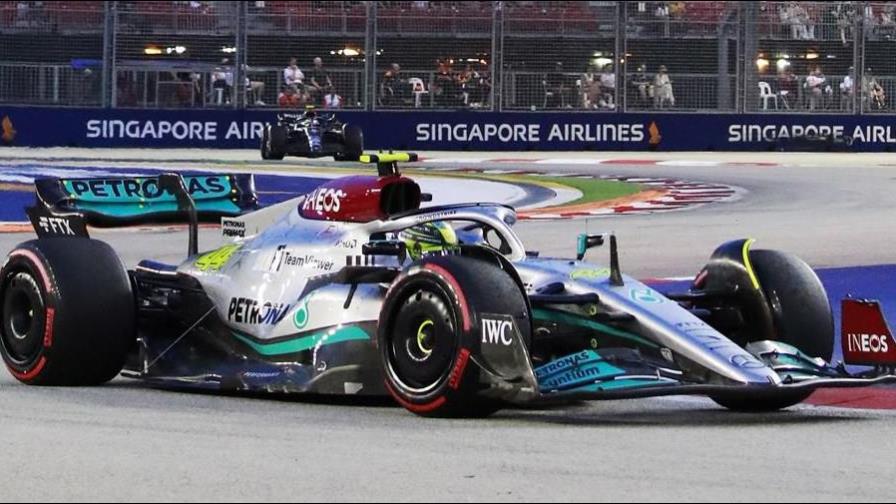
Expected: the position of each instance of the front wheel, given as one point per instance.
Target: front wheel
(68, 313)
(430, 329)
(800, 316)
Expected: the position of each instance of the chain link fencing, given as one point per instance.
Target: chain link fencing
(573, 56)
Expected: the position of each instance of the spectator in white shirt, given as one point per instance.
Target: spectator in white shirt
(332, 100)
(815, 87)
(292, 76)
(662, 89)
(608, 88)
(848, 90)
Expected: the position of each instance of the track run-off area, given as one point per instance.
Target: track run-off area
(126, 441)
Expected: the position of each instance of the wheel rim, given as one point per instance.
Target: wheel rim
(23, 320)
(424, 342)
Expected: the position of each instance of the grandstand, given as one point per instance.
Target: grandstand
(777, 57)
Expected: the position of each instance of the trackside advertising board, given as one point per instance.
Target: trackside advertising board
(462, 130)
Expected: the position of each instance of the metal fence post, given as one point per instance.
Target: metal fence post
(497, 98)
(108, 86)
(370, 90)
(858, 56)
(621, 61)
(751, 52)
(242, 49)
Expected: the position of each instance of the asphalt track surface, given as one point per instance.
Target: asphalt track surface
(127, 442)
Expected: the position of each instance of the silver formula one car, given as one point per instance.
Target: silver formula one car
(356, 289)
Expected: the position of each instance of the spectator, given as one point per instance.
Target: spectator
(873, 95)
(391, 92)
(788, 87)
(320, 81)
(468, 83)
(255, 88)
(222, 83)
(590, 86)
(446, 86)
(289, 98)
(643, 86)
(555, 87)
(795, 15)
(126, 95)
(607, 88)
(816, 88)
(846, 16)
(294, 77)
(483, 90)
(662, 89)
(332, 100)
(661, 13)
(848, 90)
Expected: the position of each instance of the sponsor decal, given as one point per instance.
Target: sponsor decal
(348, 243)
(444, 214)
(753, 133)
(565, 363)
(530, 133)
(590, 274)
(206, 131)
(9, 132)
(233, 228)
(324, 200)
(867, 343)
(300, 319)
(252, 312)
(655, 137)
(498, 330)
(56, 226)
(283, 257)
(216, 259)
(457, 372)
(867, 339)
(583, 374)
(645, 295)
(143, 189)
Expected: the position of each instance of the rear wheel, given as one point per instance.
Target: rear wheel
(801, 317)
(277, 140)
(354, 144)
(68, 314)
(265, 143)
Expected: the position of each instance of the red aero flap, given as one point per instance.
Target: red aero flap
(866, 338)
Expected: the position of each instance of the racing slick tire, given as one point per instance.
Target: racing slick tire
(801, 315)
(265, 145)
(273, 142)
(68, 312)
(429, 329)
(354, 144)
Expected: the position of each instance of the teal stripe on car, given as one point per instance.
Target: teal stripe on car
(304, 343)
(569, 319)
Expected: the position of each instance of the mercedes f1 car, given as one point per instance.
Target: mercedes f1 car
(356, 289)
(311, 135)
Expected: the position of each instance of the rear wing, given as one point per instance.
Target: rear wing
(124, 201)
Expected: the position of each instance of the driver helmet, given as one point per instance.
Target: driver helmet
(430, 238)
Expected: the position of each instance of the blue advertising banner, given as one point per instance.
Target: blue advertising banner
(475, 131)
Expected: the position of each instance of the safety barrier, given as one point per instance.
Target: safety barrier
(474, 131)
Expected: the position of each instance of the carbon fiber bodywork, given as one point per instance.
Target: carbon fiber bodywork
(295, 307)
